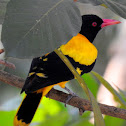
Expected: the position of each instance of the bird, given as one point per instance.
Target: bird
(49, 70)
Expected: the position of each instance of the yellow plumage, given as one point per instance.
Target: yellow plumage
(80, 49)
(19, 122)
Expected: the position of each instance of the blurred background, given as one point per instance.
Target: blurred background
(111, 63)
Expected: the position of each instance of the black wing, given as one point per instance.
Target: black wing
(45, 71)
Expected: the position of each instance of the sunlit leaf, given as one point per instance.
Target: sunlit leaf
(32, 28)
(6, 118)
(57, 120)
(112, 121)
(47, 108)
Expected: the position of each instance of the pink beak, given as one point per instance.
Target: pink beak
(107, 22)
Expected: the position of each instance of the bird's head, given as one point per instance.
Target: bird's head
(91, 24)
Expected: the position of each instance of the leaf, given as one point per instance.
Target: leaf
(47, 108)
(97, 113)
(94, 2)
(91, 83)
(117, 6)
(121, 92)
(58, 120)
(110, 88)
(2, 9)
(112, 121)
(32, 28)
(6, 118)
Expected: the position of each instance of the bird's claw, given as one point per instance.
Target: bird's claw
(81, 111)
(70, 96)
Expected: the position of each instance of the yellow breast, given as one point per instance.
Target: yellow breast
(80, 49)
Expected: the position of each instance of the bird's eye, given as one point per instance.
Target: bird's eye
(94, 24)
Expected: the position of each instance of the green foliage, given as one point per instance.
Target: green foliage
(7, 117)
(112, 121)
(57, 120)
(82, 122)
(91, 83)
(48, 108)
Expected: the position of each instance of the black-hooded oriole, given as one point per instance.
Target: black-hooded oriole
(50, 70)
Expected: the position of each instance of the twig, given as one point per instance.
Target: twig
(61, 96)
(7, 64)
(11, 79)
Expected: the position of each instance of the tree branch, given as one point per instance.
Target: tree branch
(7, 64)
(61, 96)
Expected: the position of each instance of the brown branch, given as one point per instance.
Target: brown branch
(7, 64)
(61, 96)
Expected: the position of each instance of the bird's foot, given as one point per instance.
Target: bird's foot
(70, 92)
(81, 111)
(70, 96)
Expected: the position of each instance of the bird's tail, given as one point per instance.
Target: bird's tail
(27, 109)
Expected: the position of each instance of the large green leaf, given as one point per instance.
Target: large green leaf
(91, 83)
(3, 4)
(32, 28)
(117, 6)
